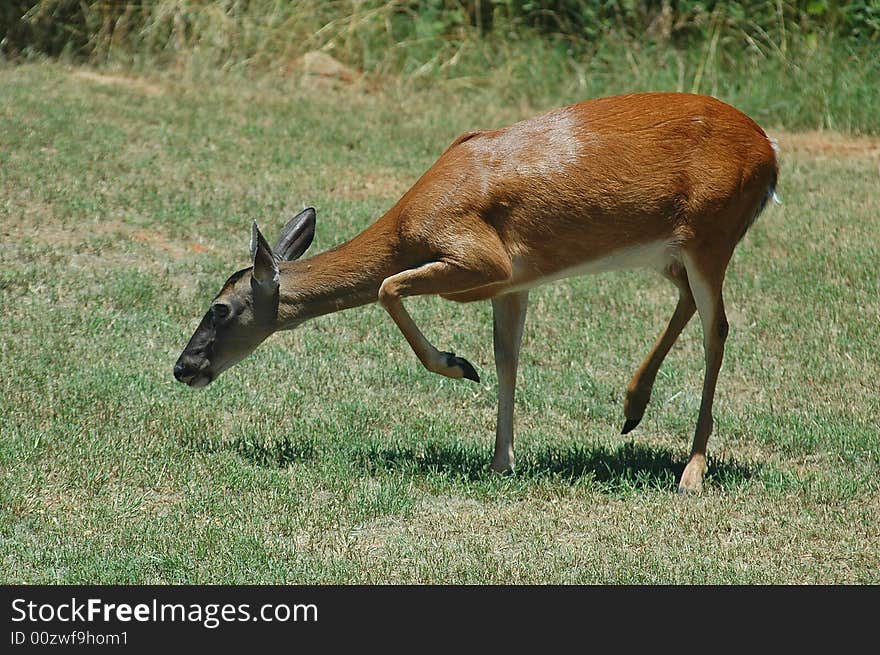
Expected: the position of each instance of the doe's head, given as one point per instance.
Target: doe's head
(245, 311)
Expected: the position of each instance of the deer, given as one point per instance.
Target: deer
(665, 181)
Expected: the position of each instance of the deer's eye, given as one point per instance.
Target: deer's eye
(220, 311)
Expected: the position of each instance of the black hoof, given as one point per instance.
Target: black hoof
(468, 371)
(630, 425)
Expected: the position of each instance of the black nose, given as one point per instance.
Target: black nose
(180, 371)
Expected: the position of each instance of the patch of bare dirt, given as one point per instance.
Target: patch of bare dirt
(360, 185)
(133, 83)
(159, 241)
(818, 145)
(38, 226)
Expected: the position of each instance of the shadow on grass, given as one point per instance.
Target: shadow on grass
(276, 453)
(627, 466)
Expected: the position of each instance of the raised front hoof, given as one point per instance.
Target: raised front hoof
(459, 367)
(630, 425)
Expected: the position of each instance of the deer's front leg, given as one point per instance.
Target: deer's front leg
(509, 315)
(432, 278)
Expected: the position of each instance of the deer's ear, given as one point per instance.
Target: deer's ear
(296, 236)
(265, 268)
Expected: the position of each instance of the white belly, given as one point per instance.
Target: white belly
(657, 255)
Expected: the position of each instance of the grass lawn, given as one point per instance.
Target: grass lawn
(331, 455)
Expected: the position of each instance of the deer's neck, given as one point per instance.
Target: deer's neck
(343, 277)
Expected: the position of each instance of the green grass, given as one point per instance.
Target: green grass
(331, 455)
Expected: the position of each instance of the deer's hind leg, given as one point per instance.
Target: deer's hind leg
(705, 277)
(638, 391)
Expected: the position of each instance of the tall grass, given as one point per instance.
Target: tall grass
(800, 64)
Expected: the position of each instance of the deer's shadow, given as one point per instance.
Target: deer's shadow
(627, 465)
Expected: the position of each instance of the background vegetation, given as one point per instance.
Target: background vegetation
(810, 63)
